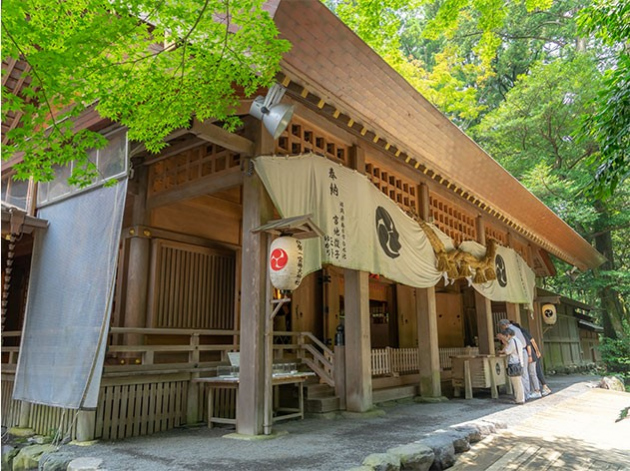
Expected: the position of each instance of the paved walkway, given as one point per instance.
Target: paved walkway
(343, 443)
(577, 434)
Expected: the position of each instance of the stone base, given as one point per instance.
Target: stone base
(85, 443)
(21, 432)
(429, 400)
(240, 436)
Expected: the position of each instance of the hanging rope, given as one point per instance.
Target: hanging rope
(458, 264)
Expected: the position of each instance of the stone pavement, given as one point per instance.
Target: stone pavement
(577, 434)
(585, 417)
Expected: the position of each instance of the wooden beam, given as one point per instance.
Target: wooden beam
(203, 186)
(166, 152)
(217, 135)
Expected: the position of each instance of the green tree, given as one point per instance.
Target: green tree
(609, 125)
(531, 134)
(150, 65)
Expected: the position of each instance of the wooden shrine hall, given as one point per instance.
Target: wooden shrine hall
(189, 273)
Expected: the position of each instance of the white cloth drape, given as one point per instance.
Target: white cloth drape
(364, 229)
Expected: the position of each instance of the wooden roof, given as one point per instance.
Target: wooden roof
(329, 59)
(15, 78)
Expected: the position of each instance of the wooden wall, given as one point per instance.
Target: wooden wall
(210, 217)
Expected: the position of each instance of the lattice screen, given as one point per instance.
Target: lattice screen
(399, 189)
(457, 223)
(181, 169)
(194, 287)
(301, 137)
(496, 234)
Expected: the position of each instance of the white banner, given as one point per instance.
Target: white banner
(515, 281)
(364, 229)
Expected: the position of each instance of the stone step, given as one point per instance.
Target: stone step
(322, 404)
(319, 390)
(395, 393)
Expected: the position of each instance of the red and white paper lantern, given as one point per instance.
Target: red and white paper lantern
(286, 263)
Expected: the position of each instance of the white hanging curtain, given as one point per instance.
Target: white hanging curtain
(364, 229)
(69, 300)
(516, 281)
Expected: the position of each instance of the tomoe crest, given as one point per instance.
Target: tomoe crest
(388, 235)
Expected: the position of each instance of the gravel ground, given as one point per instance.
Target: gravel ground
(317, 444)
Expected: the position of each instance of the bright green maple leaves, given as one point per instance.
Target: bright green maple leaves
(109, 54)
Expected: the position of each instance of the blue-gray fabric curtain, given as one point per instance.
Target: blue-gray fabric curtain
(70, 299)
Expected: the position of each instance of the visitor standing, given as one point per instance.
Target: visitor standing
(504, 324)
(513, 348)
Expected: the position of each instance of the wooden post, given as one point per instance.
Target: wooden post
(485, 329)
(25, 414)
(192, 399)
(139, 259)
(257, 209)
(356, 159)
(428, 349)
(357, 330)
(426, 317)
(86, 424)
(483, 306)
(340, 375)
(513, 312)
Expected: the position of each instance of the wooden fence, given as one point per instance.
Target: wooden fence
(394, 361)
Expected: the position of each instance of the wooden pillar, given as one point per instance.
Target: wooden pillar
(257, 210)
(340, 375)
(139, 260)
(356, 159)
(25, 414)
(429, 352)
(358, 348)
(426, 315)
(513, 312)
(485, 329)
(483, 306)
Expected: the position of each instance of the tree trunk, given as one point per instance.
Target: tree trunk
(612, 309)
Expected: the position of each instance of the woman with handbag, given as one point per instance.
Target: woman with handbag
(513, 348)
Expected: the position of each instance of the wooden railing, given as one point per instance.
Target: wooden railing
(393, 361)
(317, 356)
(163, 349)
(447, 353)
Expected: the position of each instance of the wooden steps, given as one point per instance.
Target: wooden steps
(320, 398)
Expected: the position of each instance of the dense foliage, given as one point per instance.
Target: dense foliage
(148, 64)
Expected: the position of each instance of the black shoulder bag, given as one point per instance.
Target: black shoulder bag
(515, 369)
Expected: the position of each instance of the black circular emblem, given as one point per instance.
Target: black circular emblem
(501, 271)
(387, 234)
(497, 367)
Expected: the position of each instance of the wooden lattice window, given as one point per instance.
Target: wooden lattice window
(457, 223)
(193, 287)
(496, 234)
(198, 162)
(301, 137)
(401, 190)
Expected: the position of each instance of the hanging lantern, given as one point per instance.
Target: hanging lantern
(286, 263)
(549, 314)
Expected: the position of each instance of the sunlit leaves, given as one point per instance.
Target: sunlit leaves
(100, 53)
